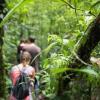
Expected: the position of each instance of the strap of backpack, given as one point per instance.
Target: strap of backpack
(21, 72)
(19, 69)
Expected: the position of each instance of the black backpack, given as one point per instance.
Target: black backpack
(21, 88)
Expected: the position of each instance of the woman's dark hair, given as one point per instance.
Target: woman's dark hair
(32, 39)
(23, 40)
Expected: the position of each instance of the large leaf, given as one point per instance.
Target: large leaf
(89, 71)
(95, 4)
(85, 70)
(58, 70)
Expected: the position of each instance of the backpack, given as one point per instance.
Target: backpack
(21, 88)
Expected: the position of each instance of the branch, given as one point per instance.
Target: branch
(71, 6)
(78, 58)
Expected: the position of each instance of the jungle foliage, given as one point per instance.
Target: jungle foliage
(58, 26)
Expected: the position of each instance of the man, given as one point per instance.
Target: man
(34, 50)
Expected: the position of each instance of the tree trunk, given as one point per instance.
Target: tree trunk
(2, 69)
(83, 49)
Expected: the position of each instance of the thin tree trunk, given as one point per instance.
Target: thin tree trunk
(2, 69)
(83, 49)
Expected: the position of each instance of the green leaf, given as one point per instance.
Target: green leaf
(89, 71)
(95, 4)
(56, 0)
(10, 13)
(85, 70)
(58, 70)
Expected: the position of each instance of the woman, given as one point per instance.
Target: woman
(25, 68)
